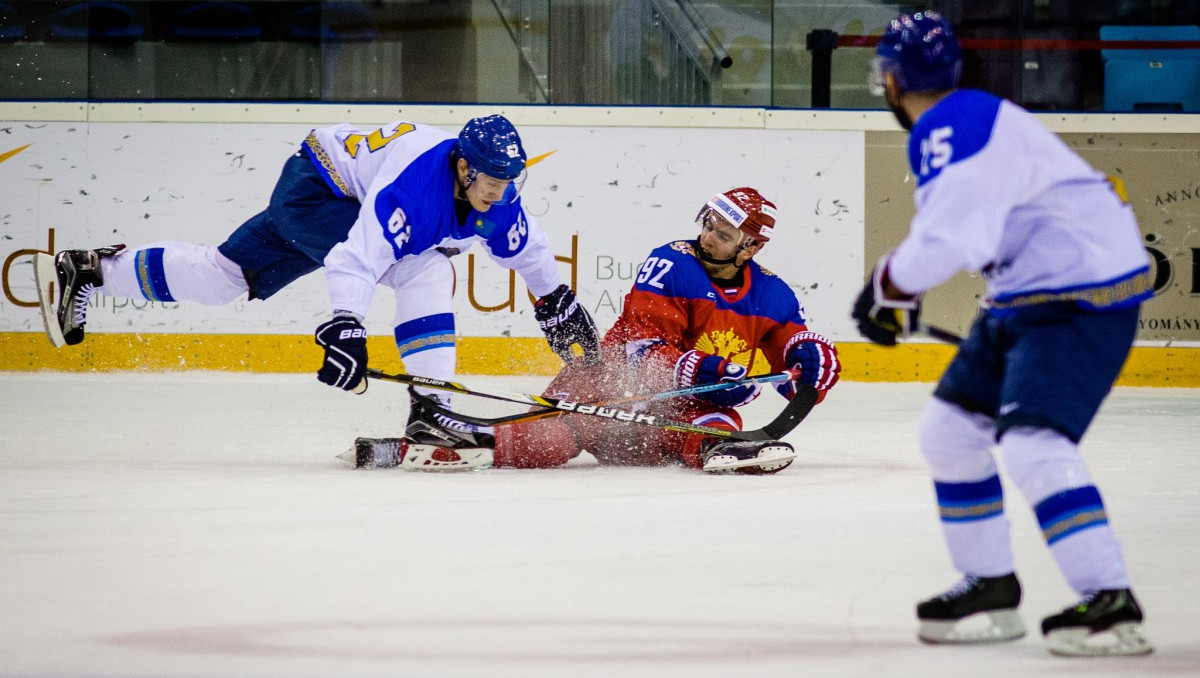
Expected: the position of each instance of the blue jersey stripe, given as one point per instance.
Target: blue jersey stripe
(151, 276)
(417, 213)
(422, 334)
(1063, 514)
(965, 502)
(957, 128)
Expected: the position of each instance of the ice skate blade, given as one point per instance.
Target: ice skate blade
(46, 275)
(768, 458)
(1001, 626)
(372, 453)
(1122, 640)
(444, 459)
(354, 459)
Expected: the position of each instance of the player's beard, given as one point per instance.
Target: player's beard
(902, 115)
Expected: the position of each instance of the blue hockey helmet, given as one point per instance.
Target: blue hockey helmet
(491, 145)
(922, 52)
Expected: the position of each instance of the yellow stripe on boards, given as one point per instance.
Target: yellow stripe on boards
(906, 362)
(29, 351)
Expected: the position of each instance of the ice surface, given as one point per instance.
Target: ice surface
(200, 525)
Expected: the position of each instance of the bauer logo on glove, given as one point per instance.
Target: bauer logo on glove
(345, 342)
(566, 323)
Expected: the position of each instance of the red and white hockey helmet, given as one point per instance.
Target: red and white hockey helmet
(746, 209)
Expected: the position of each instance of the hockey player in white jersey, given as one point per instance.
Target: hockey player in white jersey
(387, 205)
(998, 193)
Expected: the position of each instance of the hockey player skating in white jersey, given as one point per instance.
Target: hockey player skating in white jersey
(1061, 253)
(389, 206)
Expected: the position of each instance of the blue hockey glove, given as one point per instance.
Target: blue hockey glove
(880, 318)
(817, 359)
(566, 323)
(345, 342)
(696, 368)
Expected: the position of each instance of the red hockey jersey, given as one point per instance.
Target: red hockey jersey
(674, 307)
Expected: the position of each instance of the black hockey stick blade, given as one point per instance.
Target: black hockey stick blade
(796, 410)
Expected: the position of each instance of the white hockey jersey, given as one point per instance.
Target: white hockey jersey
(998, 193)
(403, 177)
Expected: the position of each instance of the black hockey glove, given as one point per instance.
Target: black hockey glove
(882, 319)
(345, 342)
(566, 323)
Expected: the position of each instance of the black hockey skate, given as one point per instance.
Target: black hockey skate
(433, 441)
(990, 599)
(752, 457)
(76, 275)
(1107, 622)
(428, 426)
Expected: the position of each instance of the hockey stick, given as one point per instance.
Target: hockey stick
(545, 413)
(792, 415)
(524, 398)
(935, 332)
(534, 415)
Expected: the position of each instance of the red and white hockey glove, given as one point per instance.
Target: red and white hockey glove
(817, 359)
(696, 368)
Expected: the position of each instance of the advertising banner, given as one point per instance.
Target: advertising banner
(605, 196)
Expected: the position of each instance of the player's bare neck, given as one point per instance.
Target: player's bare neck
(916, 103)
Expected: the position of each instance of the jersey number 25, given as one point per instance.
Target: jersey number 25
(936, 149)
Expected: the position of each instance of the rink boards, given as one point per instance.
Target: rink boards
(613, 184)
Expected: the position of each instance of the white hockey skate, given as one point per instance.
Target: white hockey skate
(746, 456)
(393, 452)
(432, 441)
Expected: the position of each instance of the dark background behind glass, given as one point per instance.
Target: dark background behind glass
(602, 52)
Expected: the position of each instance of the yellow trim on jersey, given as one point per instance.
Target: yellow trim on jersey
(322, 158)
(1094, 297)
(31, 351)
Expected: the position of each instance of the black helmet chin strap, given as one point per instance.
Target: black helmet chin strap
(716, 262)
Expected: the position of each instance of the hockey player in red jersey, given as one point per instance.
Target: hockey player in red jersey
(701, 311)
